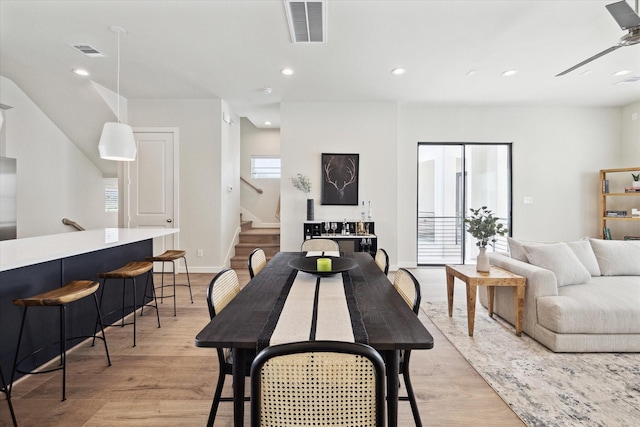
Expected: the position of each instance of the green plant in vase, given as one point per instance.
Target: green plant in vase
(303, 183)
(484, 227)
(636, 179)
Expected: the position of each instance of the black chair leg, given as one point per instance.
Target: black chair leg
(104, 336)
(407, 383)
(6, 389)
(216, 399)
(188, 279)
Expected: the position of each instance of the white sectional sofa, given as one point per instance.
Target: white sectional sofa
(581, 296)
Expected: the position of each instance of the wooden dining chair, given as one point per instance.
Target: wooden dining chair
(318, 383)
(409, 289)
(257, 261)
(382, 260)
(221, 291)
(319, 245)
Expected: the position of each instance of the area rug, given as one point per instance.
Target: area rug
(545, 388)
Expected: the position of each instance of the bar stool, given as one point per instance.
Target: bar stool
(6, 389)
(131, 271)
(60, 297)
(171, 256)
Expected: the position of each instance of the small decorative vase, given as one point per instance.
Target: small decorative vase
(309, 209)
(482, 262)
(635, 184)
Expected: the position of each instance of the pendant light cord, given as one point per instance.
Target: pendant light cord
(118, 78)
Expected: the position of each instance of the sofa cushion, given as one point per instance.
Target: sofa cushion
(605, 305)
(617, 257)
(560, 259)
(581, 248)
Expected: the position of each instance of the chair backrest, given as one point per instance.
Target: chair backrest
(382, 260)
(257, 261)
(319, 245)
(222, 289)
(409, 288)
(318, 383)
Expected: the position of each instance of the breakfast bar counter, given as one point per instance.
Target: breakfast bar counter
(34, 265)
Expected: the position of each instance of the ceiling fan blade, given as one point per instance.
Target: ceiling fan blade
(586, 61)
(624, 15)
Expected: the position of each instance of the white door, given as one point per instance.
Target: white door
(152, 199)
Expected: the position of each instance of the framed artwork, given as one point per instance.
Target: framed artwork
(340, 179)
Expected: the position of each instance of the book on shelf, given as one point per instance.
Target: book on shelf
(605, 185)
(632, 189)
(631, 237)
(615, 213)
(606, 233)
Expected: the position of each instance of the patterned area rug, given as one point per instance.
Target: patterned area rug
(545, 388)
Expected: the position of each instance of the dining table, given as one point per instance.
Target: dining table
(390, 325)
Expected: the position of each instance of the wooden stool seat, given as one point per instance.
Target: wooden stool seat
(132, 269)
(72, 291)
(58, 297)
(169, 255)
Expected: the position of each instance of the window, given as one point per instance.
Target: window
(265, 167)
(111, 195)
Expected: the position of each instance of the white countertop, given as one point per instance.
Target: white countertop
(33, 250)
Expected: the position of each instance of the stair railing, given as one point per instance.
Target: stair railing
(73, 224)
(258, 189)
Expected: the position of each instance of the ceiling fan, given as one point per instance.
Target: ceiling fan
(628, 20)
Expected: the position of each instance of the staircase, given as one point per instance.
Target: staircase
(250, 238)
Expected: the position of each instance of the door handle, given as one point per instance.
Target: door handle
(169, 220)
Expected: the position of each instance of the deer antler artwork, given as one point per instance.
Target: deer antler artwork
(339, 173)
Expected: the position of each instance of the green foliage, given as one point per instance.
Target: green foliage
(636, 176)
(302, 183)
(482, 225)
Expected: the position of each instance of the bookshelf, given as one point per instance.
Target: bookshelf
(616, 196)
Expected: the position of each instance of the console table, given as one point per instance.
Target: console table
(351, 242)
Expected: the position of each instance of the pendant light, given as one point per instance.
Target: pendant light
(117, 141)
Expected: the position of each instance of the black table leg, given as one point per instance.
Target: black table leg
(392, 388)
(238, 387)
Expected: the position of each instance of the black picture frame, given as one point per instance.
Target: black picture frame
(340, 179)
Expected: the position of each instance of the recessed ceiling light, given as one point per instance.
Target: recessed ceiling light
(80, 72)
(509, 73)
(268, 123)
(286, 71)
(621, 73)
(267, 90)
(398, 71)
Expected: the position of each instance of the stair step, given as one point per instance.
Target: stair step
(244, 249)
(260, 235)
(246, 225)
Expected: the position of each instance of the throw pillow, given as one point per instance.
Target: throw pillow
(617, 257)
(516, 249)
(584, 252)
(561, 260)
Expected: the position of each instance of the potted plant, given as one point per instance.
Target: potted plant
(482, 225)
(303, 183)
(636, 180)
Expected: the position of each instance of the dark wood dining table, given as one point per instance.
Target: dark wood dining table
(390, 324)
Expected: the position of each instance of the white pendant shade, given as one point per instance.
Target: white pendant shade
(117, 142)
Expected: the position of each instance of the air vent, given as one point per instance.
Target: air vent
(632, 79)
(307, 21)
(88, 50)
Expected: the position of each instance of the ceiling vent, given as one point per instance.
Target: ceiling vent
(307, 21)
(88, 50)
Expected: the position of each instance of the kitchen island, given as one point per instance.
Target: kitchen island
(33, 265)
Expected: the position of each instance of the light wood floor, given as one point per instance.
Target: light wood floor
(167, 381)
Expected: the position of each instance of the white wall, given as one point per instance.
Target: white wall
(309, 129)
(54, 178)
(557, 153)
(260, 208)
(203, 221)
(631, 135)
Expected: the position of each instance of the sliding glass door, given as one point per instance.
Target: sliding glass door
(453, 177)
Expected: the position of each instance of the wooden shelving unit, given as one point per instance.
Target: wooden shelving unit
(616, 188)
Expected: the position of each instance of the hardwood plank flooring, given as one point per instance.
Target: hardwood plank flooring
(166, 381)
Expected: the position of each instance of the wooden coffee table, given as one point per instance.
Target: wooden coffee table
(495, 277)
